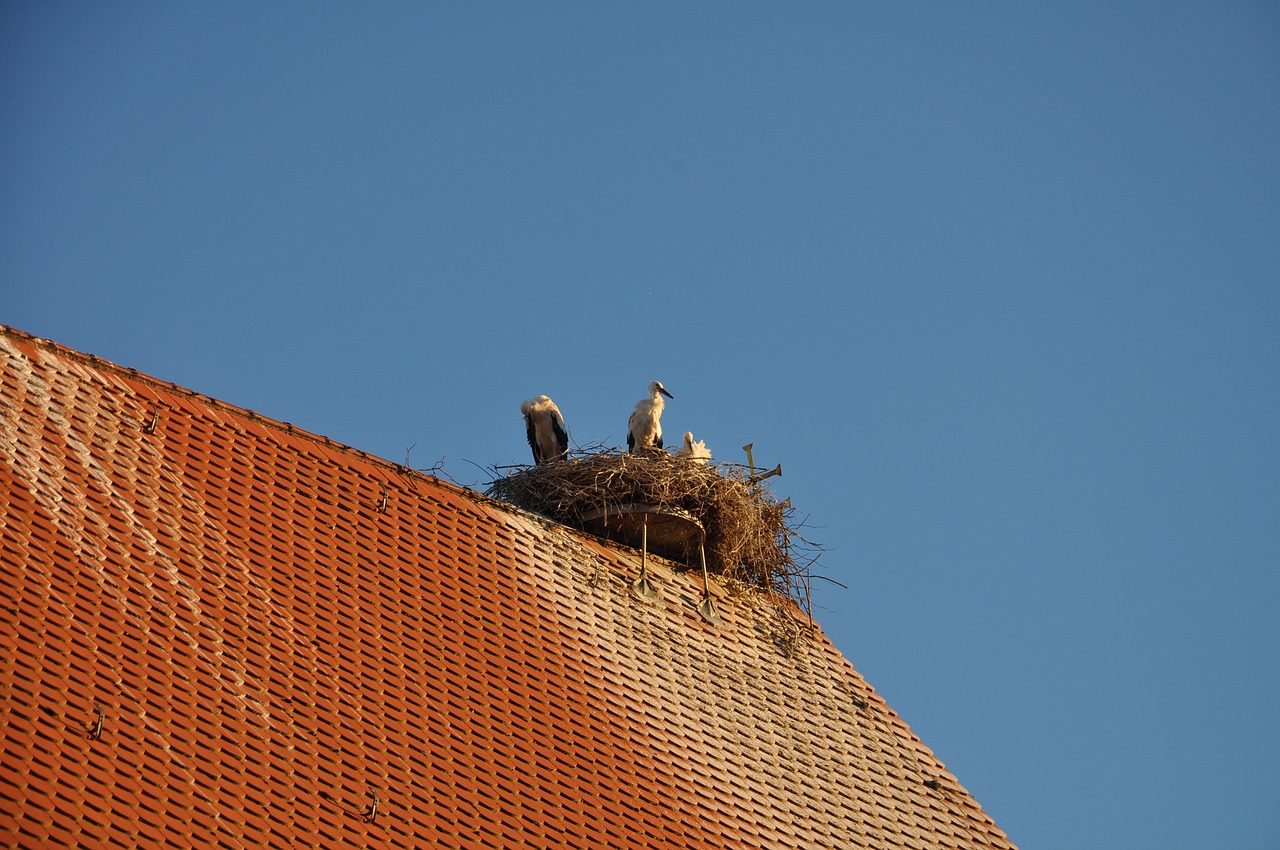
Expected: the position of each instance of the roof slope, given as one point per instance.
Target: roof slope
(223, 631)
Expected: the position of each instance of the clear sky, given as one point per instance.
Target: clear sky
(998, 284)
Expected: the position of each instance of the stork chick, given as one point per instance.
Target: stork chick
(545, 428)
(644, 428)
(696, 452)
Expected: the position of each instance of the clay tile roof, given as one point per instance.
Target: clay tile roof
(224, 631)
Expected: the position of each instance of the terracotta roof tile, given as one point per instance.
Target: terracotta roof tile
(277, 628)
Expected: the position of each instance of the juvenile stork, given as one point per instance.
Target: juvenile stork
(644, 428)
(545, 427)
(696, 452)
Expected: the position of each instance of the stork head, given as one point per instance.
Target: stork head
(538, 402)
(688, 440)
(656, 387)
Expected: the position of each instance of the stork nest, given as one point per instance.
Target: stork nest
(751, 537)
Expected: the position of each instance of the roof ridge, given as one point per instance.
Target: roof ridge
(96, 362)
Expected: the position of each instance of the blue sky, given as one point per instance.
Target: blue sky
(997, 284)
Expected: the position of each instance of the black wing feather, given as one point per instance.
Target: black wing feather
(533, 437)
(562, 437)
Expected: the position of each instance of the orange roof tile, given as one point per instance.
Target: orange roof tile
(282, 633)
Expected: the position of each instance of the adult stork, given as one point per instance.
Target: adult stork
(545, 428)
(696, 452)
(644, 428)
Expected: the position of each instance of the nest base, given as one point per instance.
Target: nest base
(670, 532)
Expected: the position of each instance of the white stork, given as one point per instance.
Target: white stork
(696, 452)
(644, 428)
(545, 427)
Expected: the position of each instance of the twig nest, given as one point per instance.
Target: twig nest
(748, 536)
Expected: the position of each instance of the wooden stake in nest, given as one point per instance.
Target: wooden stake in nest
(749, 534)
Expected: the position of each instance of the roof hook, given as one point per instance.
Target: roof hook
(642, 587)
(707, 607)
(95, 732)
(372, 810)
(150, 427)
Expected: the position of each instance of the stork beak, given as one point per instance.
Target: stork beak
(665, 393)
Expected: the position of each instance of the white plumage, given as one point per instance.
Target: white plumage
(644, 428)
(696, 452)
(545, 428)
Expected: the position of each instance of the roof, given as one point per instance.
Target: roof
(225, 631)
